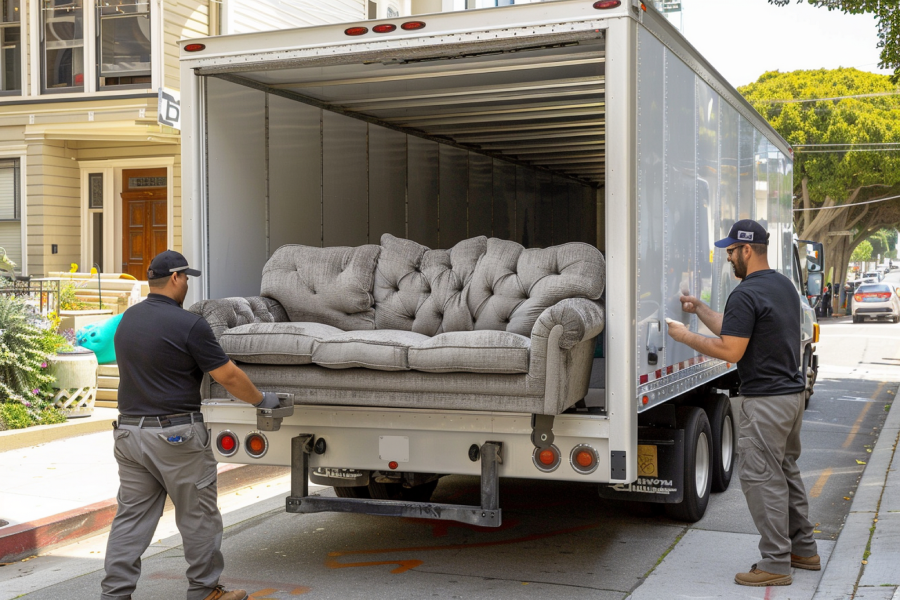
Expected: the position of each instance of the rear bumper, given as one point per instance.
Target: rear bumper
(886, 309)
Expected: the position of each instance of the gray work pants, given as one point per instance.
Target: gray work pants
(150, 467)
(768, 449)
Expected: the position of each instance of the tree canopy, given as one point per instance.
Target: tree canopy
(862, 253)
(887, 14)
(843, 152)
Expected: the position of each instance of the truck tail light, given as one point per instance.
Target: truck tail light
(227, 443)
(584, 459)
(356, 31)
(547, 459)
(256, 444)
(384, 28)
(604, 4)
(413, 25)
(858, 297)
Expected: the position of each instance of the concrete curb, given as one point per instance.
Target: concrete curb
(844, 567)
(101, 420)
(27, 539)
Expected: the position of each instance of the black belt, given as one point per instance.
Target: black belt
(163, 421)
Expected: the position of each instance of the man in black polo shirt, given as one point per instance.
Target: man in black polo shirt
(161, 444)
(760, 331)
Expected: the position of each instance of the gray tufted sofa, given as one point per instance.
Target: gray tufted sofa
(485, 325)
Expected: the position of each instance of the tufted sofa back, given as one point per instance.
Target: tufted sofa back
(423, 290)
(512, 285)
(480, 283)
(324, 285)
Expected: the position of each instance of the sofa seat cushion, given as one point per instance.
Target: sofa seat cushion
(383, 350)
(472, 352)
(275, 343)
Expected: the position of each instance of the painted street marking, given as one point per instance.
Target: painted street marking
(817, 488)
(862, 415)
(856, 399)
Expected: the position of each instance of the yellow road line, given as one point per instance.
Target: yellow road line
(816, 490)
(862, 415)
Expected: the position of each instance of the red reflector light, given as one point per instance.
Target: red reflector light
(413, 25)
(604, 4)
(393, 465)
(194, 47)
(386, 28)
(644, 379)
(547, 457)
(584, 458)
(356, 31)
(227, 443)
(256, 445)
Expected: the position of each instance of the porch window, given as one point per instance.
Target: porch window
(10, 211)
(10, 47)
(62, 41)
(95, 216)
(123, 43)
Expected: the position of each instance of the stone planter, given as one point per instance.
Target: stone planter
(75, 378)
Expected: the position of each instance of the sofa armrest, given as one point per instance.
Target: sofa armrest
(226, 313)
(581, 320)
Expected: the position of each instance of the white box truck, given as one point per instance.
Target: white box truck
(543, 123)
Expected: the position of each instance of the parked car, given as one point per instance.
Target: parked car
(877, 275)
(876, 300)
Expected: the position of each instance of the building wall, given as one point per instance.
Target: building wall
(181, 19)
(245, 16)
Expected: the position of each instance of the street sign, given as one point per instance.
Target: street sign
(168, 110)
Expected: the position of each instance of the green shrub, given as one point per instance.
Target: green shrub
(52, 416)
(26, 342)
(15, 415)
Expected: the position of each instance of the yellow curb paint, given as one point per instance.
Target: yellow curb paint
(862, 415)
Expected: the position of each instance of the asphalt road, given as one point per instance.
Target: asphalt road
(557, 541)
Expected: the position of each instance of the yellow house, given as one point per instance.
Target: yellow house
(87, 173)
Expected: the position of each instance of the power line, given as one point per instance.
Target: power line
(850, 144)
(803, 100)
(847, 205)
(848, 150)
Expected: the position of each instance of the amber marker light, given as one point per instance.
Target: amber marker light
(815, 333)
(256, 445)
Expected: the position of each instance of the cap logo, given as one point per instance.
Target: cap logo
(745, 236)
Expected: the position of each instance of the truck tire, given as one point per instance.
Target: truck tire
(697, 465)
(357, 491)
(724, 448)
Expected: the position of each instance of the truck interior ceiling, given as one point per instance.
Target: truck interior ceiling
(433, 147)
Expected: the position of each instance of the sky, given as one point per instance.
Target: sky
(745, 38)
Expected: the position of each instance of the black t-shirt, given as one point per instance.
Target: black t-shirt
(163, 351)
(765, 307)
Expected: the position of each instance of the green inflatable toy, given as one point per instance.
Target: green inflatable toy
(100, 337)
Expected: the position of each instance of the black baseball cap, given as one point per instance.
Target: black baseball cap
(168, 262)
(745, 231)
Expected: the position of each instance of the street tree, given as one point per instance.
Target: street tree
(862, 253)
(886, 12)
(844, 163)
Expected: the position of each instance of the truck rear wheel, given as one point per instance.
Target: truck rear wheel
(697, 465)
(721, 422)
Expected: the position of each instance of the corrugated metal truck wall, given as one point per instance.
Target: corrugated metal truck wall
(337, 181)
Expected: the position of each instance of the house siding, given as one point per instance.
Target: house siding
(181, 20)
(53, 182)
(245, 16)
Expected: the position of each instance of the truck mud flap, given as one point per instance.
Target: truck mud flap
(486, 515)
(660, 469)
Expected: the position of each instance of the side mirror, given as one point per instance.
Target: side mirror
(814, 284)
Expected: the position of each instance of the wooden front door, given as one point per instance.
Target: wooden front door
(144, 232)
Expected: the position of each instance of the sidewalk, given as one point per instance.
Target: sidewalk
(62, 487)
(865, 563)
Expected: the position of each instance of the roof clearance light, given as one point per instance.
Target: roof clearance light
(356, 31)
(604, 4)
(194, 47)
(386, 28)
(413, 25)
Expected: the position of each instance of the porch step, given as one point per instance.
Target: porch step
(108, 394)
(111, 370)
(106, 404)
(110, 383)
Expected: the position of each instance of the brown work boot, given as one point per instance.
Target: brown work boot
(810, 563)
(220, 594)
(757, 578)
